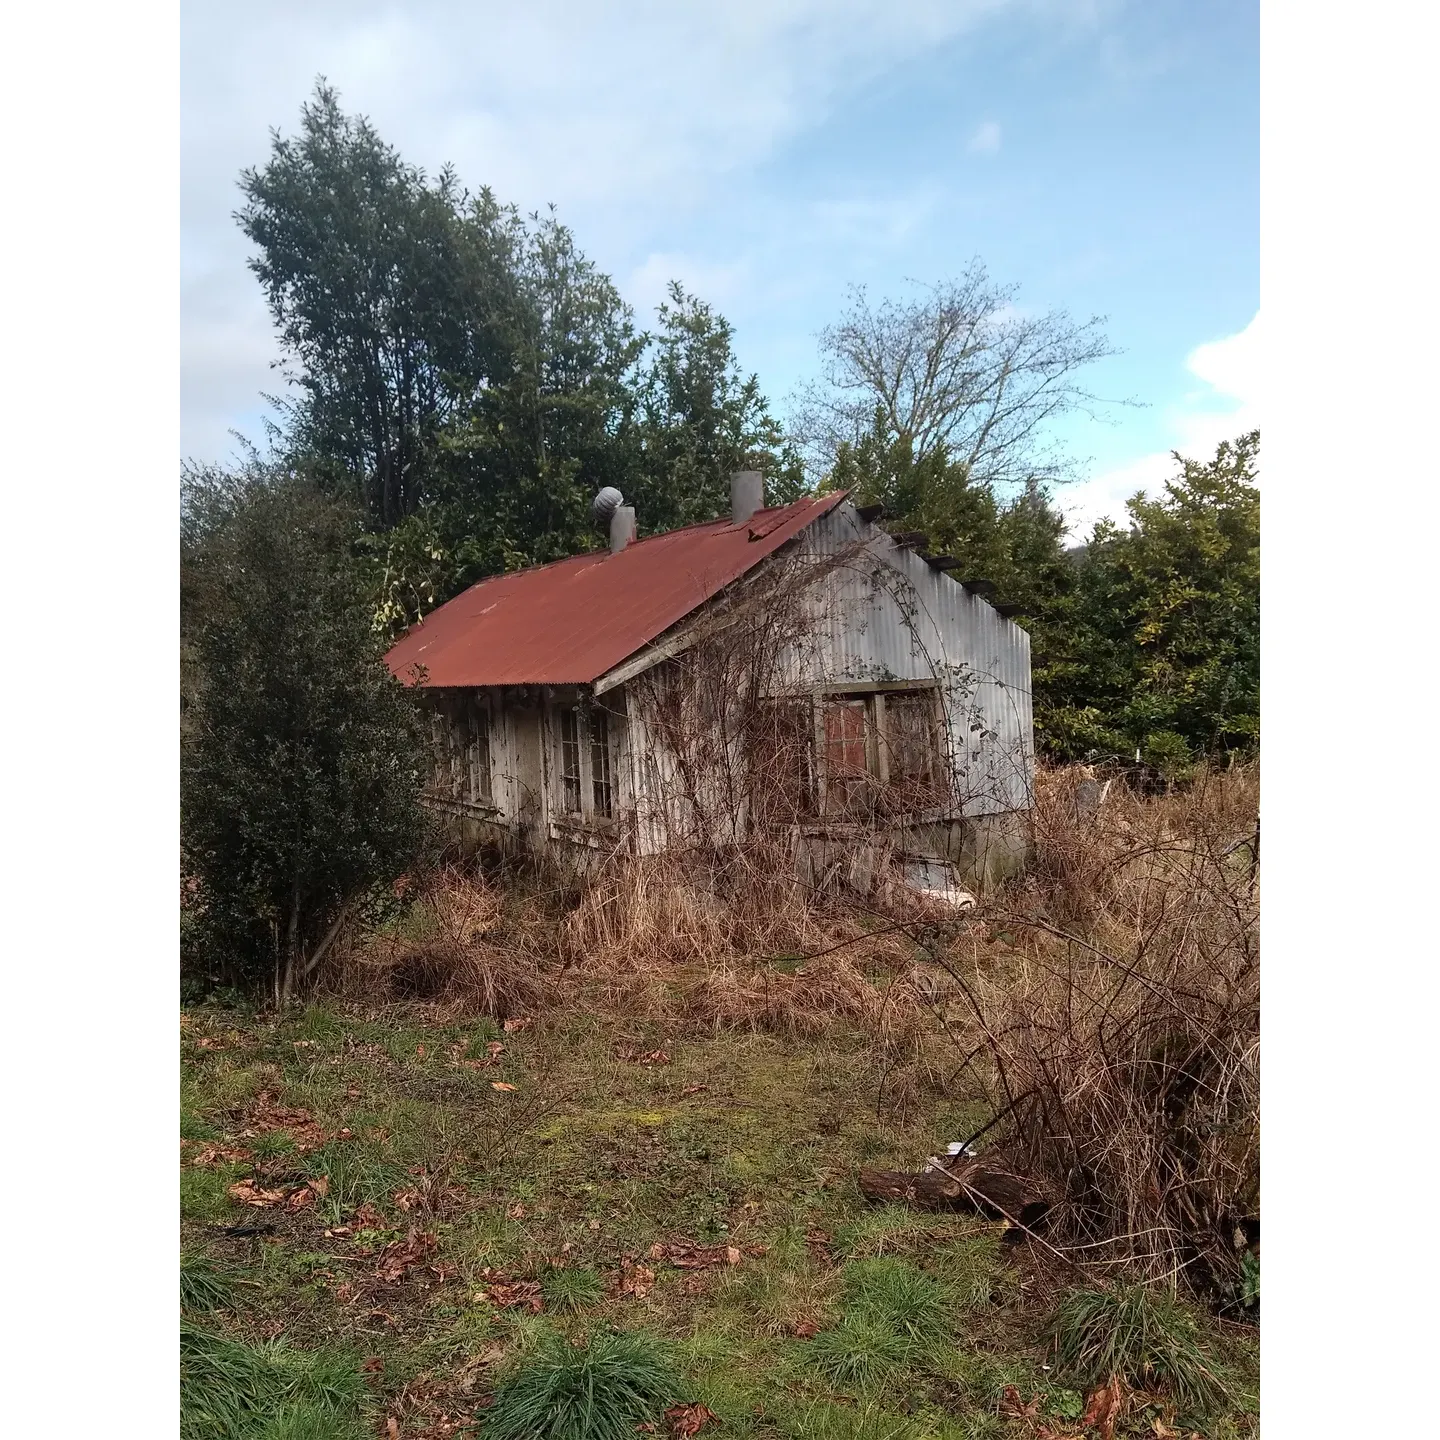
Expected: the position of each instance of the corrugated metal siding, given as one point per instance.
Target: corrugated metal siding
(888, 616)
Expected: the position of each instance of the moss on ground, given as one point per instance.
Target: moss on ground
(432, 1187)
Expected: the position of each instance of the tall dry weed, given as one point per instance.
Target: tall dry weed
(1114, 1007)
(456, 944)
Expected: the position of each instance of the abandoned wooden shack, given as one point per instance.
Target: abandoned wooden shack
(793, 669)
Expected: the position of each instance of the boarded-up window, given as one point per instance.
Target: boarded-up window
(603, 796)
(570, 761)
(847, 756)
(912, 749)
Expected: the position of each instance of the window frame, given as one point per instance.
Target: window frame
(591, 814)
(462, 745)
(873, 698)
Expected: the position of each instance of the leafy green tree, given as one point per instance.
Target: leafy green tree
(392, 296)
(1158, 649)
(528, 453)
(302, 757)
(699, 419)
(472, 378)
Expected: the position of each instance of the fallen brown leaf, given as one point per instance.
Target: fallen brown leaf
(518, 1295)
(500, 1085)
(470, 1372)
(398, 1258)
(639, 1280)
(494, 1048)
(519, 1023)
(1012, 1407)
(248, 1192)
(212, 1155)
(806, 1330)
(688, 1419)
(1103, 1406)
(373, 1365)
(693, 1089)
(392, 1428)
(408, 1199)
(516, 1212)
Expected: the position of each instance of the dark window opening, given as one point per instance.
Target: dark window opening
(782, 742)
(479, 756)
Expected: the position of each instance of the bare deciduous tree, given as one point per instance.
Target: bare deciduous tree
(958, 366)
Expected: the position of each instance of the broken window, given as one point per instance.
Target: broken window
(914, 762)
(847, 755)
(460, 750)
(478, 755)
(439, 783)
(586, 762)
(600, 764)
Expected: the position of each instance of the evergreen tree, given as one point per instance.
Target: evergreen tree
(1158, 651)
(301, 755)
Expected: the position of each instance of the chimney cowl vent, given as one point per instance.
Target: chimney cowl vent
(604, 505)
(747, 495)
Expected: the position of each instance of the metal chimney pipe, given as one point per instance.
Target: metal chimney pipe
(622, 528)
(747, 495)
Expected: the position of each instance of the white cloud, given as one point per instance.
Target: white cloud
(1226, 405)
(648, 283)
(986, 140)
(626, 116)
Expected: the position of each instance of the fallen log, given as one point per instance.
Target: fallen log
(975, 1184)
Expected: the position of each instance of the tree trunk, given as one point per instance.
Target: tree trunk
(292, 949)
(979, 1185)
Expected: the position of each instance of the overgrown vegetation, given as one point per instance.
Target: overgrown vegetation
(1122, 1034)
(552, 1154)
(301, 756)
(233, 1391)
(661, 1138)
(1141, 1334)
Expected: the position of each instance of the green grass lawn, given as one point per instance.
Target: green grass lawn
(434, 1203)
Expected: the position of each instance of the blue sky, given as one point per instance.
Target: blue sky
(1101, 154)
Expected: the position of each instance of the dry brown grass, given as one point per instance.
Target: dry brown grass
(1120, 1035)
(455, 946)
(1107, 1006)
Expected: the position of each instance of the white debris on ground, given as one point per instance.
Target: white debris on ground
(954, 1151)
(937, 882)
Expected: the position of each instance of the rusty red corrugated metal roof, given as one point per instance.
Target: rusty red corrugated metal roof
(569, 622)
